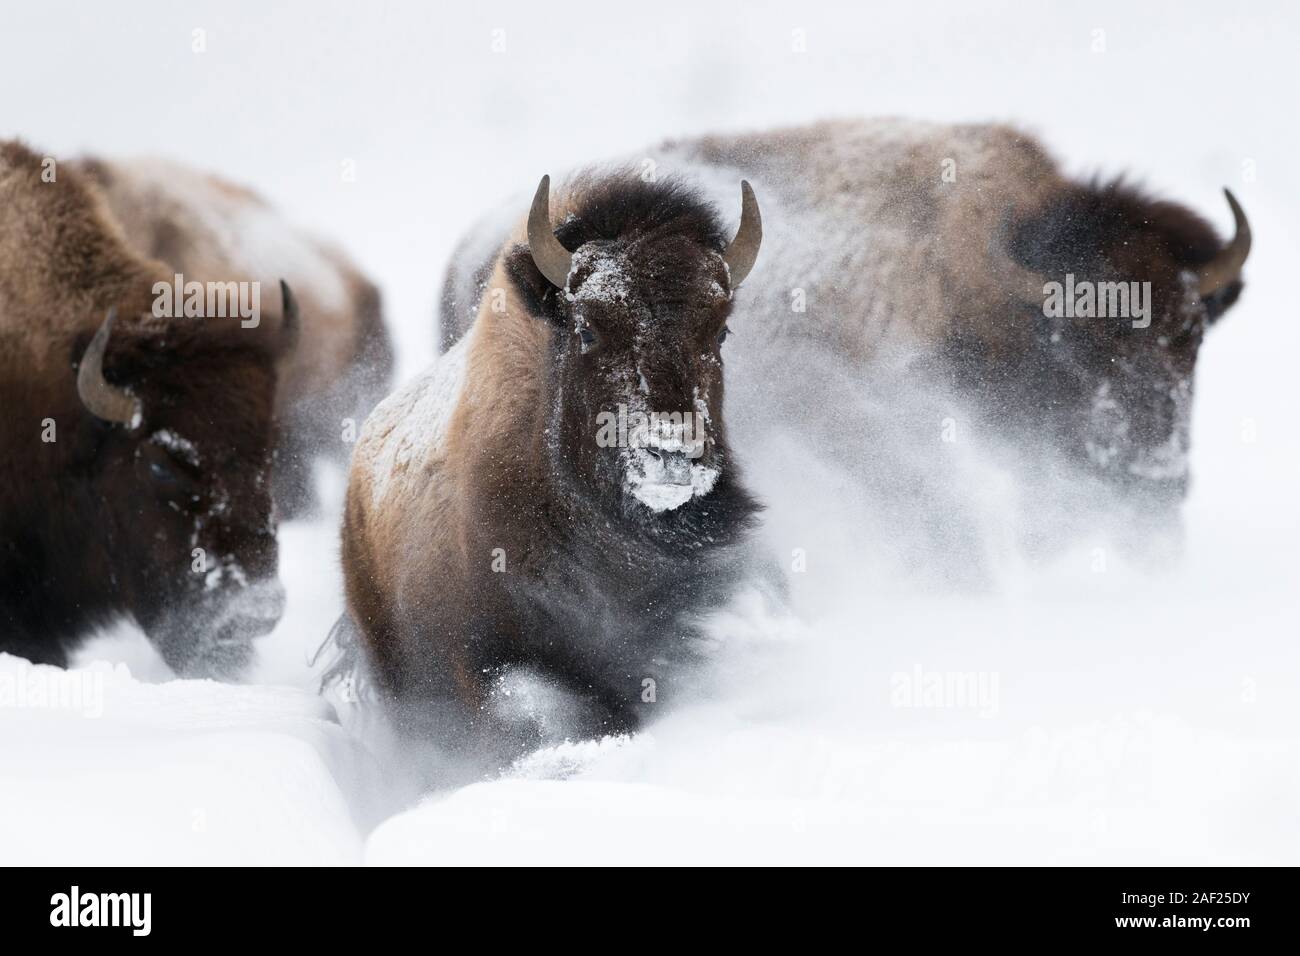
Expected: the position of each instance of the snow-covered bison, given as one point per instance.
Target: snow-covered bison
(1069, 311)
(207, 229)
(135, 450)
(557, 492)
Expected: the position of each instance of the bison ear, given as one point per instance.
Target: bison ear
(535, 291)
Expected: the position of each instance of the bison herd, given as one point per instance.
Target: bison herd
(160, 413)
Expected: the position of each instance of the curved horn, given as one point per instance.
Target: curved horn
(103, 400)
(291, 320)
(1226, 266)
(550, 256)
(742, 252)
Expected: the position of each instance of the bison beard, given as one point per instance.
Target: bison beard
(486, 529)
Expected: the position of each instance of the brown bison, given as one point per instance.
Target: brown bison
(135, 450)
(207, 229)
(501, 510)
(1067, 311)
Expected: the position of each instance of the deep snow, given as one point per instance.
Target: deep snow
(1089, 710)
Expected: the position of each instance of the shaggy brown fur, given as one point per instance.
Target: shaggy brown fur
(209, 229)
(169, 521)
(485, 527)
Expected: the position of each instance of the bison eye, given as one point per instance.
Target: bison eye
(722, 336)
(160, 472)
(586, 337)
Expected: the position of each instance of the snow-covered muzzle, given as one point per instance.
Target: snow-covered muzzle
(663, 456)
(213, 635)
(1135, 432)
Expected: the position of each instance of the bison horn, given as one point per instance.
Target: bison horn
(742, 252)
(1226, 266)
(291, 322)
(551, 258)
(103, 400)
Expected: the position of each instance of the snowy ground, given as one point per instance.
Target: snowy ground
(1118, 715)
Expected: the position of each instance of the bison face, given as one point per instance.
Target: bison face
(1135, 402)
(181, 482)
(1128, 291)
(640, 308)
(203, 554)
(1121, 397)
(640, 367)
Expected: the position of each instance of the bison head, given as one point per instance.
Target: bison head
(178, 477)
(637, 284)
(1121, 292)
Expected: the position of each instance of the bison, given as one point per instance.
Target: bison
(135, 450)
(963, 253)
(497, 518)
(205, 228)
